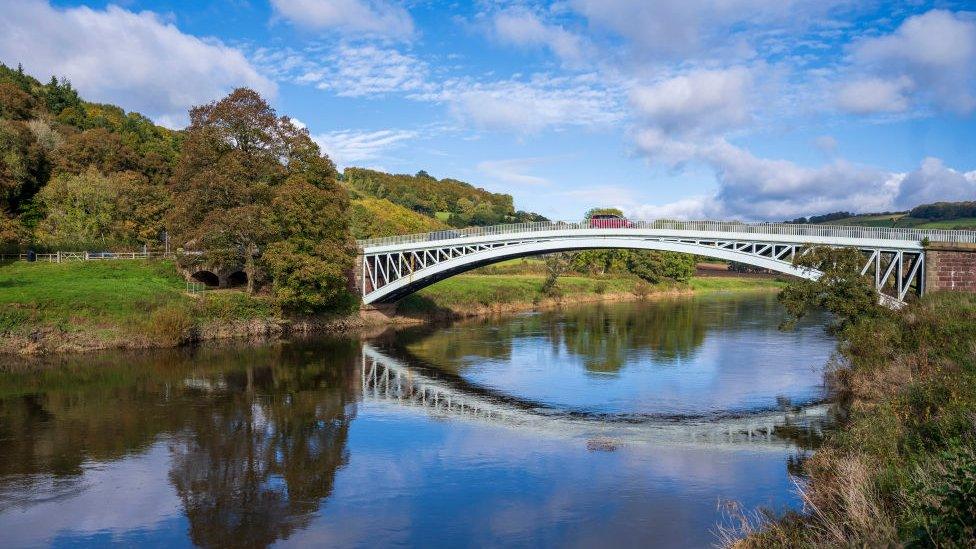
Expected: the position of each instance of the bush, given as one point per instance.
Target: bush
(949, 501)
(172, 324)
(642, 289)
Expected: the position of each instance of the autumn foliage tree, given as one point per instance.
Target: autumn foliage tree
(252, 189)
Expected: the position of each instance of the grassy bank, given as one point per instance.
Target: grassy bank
(901, 469)
(77, 306)
(471, 294)
(90, 305)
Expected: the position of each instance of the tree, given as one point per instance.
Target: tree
(312, 256)
(603, 211)
(556, 264)
(59, 96)
(842, 290)
(24, 165)
(654, 266)
(251, 189)
(80, 210)
(15, 103)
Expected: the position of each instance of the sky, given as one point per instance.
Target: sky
(690, 109)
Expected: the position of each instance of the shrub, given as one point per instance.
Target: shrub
(949, 500)
(642, 289)
(172, 324)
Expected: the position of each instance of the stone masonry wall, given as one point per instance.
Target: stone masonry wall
(950, 267)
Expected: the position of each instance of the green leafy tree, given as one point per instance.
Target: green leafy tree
(80, 210)
(373, 217)
(24, 165)
(312, 257)
(654, 266)
(59, 96)
(252, 189)
(556, 265)
(842, 289)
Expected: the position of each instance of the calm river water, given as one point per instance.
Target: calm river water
(605, 425)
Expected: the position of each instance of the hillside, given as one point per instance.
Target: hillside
(940, 215)
(48, 134)
(81, 175)
(374, 217)
(450, 201)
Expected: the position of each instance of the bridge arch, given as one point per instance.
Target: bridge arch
(420, 278)
(208, 278)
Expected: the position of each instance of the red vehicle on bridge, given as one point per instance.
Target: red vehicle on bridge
(609, 221)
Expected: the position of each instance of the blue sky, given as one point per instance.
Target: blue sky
(745, 109)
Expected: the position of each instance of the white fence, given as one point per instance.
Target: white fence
(730, 227)
(63, 257)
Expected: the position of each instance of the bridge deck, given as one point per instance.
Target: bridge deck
(728, 229)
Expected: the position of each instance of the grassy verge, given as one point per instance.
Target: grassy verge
(901, 470)
(734, 284)
(50, 307)
(89, 305)
(474, 293)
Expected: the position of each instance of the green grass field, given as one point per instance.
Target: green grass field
(111, 300)
(734, 284)
(88, 292)
(901, 220)
(465, 292)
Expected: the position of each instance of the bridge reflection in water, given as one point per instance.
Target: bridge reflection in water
(389, 380)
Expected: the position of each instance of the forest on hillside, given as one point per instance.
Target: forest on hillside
(239, 186)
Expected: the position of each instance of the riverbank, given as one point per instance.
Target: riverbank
(901, 469)
(85, 306)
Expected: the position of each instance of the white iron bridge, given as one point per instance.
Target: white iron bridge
(393, 267)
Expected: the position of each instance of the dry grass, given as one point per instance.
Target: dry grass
(901, 469)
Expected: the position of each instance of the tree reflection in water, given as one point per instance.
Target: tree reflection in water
(256, 464)
(256, 435)
(604, 337)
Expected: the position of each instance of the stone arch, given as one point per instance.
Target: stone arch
(236, 279)
(209, 278)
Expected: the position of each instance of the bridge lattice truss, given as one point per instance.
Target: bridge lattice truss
(391, 270)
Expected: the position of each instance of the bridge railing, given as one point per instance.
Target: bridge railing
(731, 227)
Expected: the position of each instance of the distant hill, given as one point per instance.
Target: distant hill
(450, 201)
(120, 164)
(940, 215)
(371, 217)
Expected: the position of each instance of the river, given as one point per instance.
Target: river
(630, 424)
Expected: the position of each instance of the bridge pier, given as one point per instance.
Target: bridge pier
(950, 267)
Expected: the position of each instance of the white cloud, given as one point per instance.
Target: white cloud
(933, 182)
(135, 60)
(756, 188)
(875, 95)
(513, 171)
(827, 144)
(521, 27)
(933, 55)
(700, 99)
(529, 106)
(349, 147)
(349, 70)
(377, 17)
(681, 29)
